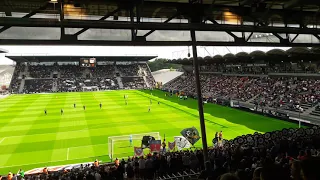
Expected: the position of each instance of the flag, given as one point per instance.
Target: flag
(171, 145)
(155, 145)
(138, 151)
(191, 134)
(145, 143)
(181, 142)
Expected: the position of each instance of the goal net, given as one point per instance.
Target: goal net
(120, 146)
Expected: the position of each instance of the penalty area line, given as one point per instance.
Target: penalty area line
(2, 140)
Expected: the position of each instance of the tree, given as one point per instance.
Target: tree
(161, 63)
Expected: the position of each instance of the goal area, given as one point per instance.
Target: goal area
(120, 146)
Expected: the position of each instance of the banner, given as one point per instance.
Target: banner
(181, 142)
(155, 145)
(138, 151)
(145, 143)
(191, 134)
(171, 145)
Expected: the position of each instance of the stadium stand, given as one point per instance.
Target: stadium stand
(277, 80)
(46, 75)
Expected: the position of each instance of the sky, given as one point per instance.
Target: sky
(174, 52)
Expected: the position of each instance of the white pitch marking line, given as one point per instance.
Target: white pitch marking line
(2, 140)
(68, 153)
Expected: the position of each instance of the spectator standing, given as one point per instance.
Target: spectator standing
(97, 176)
(96, 163)
(149, 168)
(142, 166)
(130, 172)
(9, 177)
(21, 174)
(186, 161)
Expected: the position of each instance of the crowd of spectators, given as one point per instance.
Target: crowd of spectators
(38, 85)
(271, 91)
(129, 70)
(15, 81)
(103, 71)
(261, 68)
(133, 83)
(287, 154)
(69, 78)
(71, 71)
(40, 71)
(83, 84)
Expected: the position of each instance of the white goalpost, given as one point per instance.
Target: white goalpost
(120, 146)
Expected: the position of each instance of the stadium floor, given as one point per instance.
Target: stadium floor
(30, 139)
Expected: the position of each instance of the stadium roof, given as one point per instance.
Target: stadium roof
(275, 55)
(3, 51)
(53, 58)
(160, 22)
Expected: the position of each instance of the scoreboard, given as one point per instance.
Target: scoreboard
(88, 62)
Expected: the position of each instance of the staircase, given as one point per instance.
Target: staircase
(23, 81)
(120, 82)
(55, 85)
(312, 111)
(85, 72)
(26, 71)
(145, 80)
(252, 99)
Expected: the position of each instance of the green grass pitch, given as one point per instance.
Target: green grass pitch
(30, 139)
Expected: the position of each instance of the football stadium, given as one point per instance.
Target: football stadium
(84, 97)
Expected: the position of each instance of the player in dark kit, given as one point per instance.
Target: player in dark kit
(158, 102)
(84, 107)
(45, 111)
(61, 111)
(100, 105)
(74, 105)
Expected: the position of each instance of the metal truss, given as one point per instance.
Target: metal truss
(153, 26)
(198, 12)
(74, 42)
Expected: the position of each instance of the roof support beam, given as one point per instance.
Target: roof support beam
(245, 2)
(32, 13)
(62, 30)
(151, 43)
(294, 38)
(228, 32)
(292, 3)
(101, 19)
(133, 30)
(166, 21)
(73, 23)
